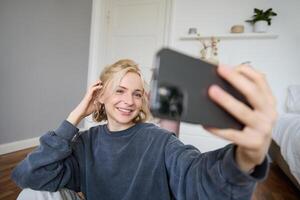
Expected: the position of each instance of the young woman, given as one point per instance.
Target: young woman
(127, 158)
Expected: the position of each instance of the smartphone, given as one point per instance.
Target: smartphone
(179, 91)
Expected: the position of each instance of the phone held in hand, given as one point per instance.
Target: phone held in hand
(179, 91)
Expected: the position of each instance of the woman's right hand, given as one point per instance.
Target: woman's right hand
(87, 105)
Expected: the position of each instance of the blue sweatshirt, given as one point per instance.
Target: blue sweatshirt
(142, 162)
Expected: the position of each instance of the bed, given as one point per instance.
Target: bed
(285, 147)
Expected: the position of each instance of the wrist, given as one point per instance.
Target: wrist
(74, 118)
(244, 161)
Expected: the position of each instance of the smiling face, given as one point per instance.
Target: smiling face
(123, 99)
(124, 104)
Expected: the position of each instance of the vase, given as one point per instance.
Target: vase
(261, 26)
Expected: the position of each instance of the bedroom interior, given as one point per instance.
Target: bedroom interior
(43, 41)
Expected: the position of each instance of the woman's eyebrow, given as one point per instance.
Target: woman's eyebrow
(136, 90)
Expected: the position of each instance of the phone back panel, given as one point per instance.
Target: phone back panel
(192, 77)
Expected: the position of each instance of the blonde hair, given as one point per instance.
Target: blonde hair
(111, 77)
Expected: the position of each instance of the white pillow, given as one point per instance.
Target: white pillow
(293, 99)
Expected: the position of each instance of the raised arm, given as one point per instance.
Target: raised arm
(55, 163)
(211, 175)
(254, 140)
(52, 165)
(231, 172)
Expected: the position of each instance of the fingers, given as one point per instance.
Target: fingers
(255, 138)
(243, 113)
(97, 82)
(236, 108)
(245, 85)
(252, 74)
(250, 138)
(227, 134)
(254, 87)
(260, 78)
(252, 84)
(94, 89)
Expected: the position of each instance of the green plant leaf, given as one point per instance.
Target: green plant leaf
(260, 14)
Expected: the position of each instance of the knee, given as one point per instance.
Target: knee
(33, 194)
(63, 194)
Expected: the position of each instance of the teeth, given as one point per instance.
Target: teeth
(124, 110)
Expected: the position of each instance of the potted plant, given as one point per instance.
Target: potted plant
(262, 19)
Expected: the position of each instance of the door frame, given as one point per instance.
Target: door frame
(97, 38)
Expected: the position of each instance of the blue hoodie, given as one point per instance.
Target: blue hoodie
(141, 162)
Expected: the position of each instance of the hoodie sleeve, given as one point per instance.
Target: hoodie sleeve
(211, 175)
(52, 165)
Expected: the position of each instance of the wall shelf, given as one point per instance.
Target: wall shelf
(232, 36)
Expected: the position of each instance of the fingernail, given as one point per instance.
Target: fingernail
(224, 69)
(214, 90)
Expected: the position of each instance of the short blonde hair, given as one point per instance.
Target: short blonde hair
(111, 77)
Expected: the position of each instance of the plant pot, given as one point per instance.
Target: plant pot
(261, 26)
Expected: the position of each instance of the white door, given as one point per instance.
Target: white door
(135, 30)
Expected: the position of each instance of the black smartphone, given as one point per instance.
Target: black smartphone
(179, 91)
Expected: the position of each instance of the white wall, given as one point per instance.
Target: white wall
(278, 58)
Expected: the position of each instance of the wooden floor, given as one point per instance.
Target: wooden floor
(276, 187)
(8, 190)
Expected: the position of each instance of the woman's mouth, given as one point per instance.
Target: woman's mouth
(125, 110)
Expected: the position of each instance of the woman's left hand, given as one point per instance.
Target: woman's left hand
(254, 140)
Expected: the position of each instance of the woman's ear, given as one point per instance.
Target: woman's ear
(100, 99)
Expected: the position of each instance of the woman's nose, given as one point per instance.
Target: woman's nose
(128, 98)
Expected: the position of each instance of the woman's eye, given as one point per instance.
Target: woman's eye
(119, 91)
(138, 95)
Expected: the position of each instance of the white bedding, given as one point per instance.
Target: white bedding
(286, 134)
(293, 99)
